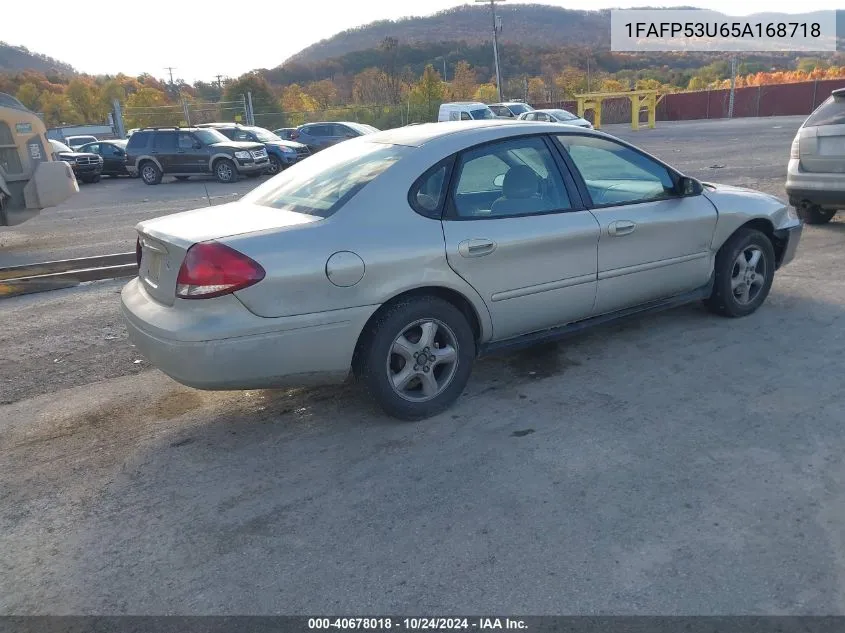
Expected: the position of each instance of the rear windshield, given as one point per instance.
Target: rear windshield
(482, 113)
(326, 181)
(519, 108)
(563, 115)
(831, 112)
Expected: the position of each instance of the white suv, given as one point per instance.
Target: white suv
(815, 179)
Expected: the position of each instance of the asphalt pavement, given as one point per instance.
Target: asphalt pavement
(678, 464)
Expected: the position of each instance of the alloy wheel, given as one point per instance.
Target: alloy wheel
(422, 360)
(748, 275)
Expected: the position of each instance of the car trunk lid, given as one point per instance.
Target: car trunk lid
(165, 241)
(822, 149)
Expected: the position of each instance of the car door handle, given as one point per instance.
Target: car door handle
(621, 227)
(476, 247)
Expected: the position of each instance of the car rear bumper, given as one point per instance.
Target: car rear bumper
(219, 344)
(791, 236)
(826, 190)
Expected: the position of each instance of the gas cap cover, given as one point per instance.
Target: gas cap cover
(345, 269)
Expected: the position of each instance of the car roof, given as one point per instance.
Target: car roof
(470, 131)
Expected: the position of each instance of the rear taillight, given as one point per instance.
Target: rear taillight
(212, 269)
(795, 151)
(138, 251)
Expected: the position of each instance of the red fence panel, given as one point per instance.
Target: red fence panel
(799, 98)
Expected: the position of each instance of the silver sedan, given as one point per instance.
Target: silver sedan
(401, 256)
(556, 115)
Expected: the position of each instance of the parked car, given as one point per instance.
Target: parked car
(555, 115)
(75, 142)
(287, 133)
(86, 166)
(474, 237)
(510, 109)
(281, 153)
(815, 176)
(113, 154)
(185, 152)
(318, 136)
(464, 111)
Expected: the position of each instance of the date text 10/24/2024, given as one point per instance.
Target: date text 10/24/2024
(417, 624)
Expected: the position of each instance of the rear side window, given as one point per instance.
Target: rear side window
(831, 112)
(428, 193)
(318, 130)
(164, 141)
(138, 140)
(326, 181)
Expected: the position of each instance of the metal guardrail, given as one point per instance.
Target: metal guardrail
(65, 273)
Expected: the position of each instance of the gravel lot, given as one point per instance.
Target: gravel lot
(674, 464)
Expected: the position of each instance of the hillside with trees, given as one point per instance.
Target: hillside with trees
(540, 24)
(19, 58)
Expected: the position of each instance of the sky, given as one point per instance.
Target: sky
(200, 40)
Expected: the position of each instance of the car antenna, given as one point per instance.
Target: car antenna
(207, 197)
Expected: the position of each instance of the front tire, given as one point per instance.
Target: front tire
(816, 215)
(150, 173)
(225, 171)
(416, 357)
(744, 272)
(275, 166)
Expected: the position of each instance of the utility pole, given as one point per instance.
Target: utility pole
(219, 81)
(497, 26)
(733, 88)
(170, 69)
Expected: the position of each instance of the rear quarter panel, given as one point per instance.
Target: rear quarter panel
(401, 251)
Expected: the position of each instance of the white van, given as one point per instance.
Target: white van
(464, 111)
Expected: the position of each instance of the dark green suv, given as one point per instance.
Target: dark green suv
(153, 153)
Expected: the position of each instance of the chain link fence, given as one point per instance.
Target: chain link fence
(184, 114)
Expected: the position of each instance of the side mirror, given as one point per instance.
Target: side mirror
(689, 186)
(499, 180)
(197, 145)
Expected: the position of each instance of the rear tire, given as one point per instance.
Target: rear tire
(416, 358)
(150, 173)
(815, 215)
(744, 272)
(225, 171)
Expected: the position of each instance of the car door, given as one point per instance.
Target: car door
(192, 155)
(165, 150)
(517, 232)
(113, 158)
(655, 242)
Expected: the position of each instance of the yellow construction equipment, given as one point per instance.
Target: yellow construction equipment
(31, 176)
(640, 100)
